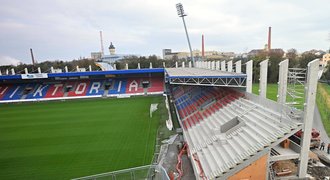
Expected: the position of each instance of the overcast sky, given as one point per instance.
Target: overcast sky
(66, 30)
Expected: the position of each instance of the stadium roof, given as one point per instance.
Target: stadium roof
(89, 73)
(199, 76)
(199, 73)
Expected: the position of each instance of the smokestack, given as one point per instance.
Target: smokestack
(101, 39)
(32, 57)
(269, 38)
(203, 53)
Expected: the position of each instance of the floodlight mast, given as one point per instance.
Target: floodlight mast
(181, 14)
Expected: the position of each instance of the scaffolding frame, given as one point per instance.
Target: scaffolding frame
(296, 87)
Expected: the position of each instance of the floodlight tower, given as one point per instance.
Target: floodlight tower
(181, 14)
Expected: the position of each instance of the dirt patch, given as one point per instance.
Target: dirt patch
(285, 168)
(319, 172)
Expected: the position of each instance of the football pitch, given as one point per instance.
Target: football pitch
(69, 139)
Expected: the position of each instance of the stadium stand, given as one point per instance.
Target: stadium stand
(224, 128)
(47, 89)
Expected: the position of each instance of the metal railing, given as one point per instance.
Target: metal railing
(154, 172)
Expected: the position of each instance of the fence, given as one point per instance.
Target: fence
(154, 172)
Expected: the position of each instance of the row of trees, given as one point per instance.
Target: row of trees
(275, 58)
(46, 65)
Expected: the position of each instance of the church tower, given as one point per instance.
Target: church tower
(112, 49)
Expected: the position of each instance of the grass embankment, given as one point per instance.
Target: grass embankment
(323, 103)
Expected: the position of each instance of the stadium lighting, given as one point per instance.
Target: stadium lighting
(181, 14)
(180, 10)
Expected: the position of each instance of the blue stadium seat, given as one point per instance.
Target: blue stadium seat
(15, 92)
(95, 88)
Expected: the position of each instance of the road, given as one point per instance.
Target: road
(317, 124)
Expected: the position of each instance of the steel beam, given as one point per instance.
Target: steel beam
(216, 81)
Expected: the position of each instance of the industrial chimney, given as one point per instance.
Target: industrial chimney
(32, 57)
(269, 39)
(101, 39)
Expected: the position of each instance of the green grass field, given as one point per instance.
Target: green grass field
(68, 139)
(272, 90)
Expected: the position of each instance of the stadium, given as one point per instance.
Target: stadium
(185, 122)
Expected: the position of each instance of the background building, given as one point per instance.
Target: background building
(168, 54)
(325, 59)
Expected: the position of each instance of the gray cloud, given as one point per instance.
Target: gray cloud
(65, 30)
(6, 60)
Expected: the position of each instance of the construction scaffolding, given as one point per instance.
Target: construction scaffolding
(296, 88)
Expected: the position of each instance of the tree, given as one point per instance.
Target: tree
(305, 58)
(292, 55)
(326, 73)
(273, 69)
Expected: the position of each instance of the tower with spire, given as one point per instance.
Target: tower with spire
(112, 49)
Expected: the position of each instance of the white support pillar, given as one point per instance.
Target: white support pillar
(249, 74)
(263, 78)
(52, 69)
(150, 65)
(310, 94)
(176, 64)
(183, 65)
(77, 68)
(0, 73)
(217, 65)
(90, 67)
(39, 70)
(114, 66)
(189, 64)
(66, 69)
(205, 65)
(7, 72)
(213, 65)
(26, 71)
(164, 65)
(238, 66)
(139, 67)
(282, 81)
(12, 71)
(223, 65)
(126, 66)
(230, 66)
